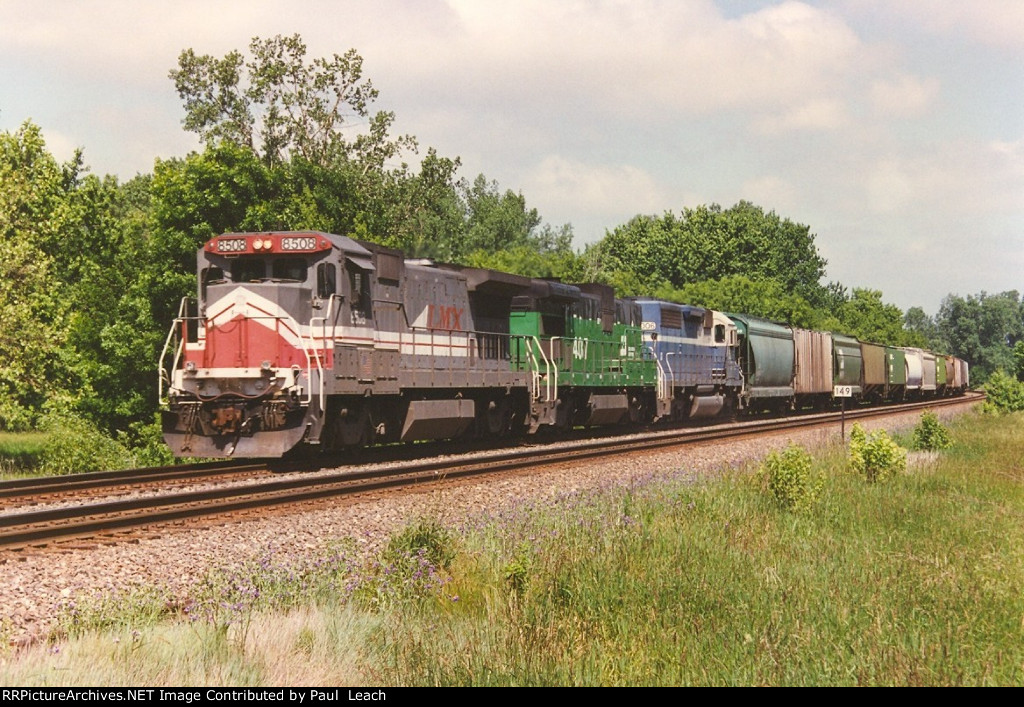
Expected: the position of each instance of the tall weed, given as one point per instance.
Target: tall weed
(930, 435)
(875, 456)
(789, 479)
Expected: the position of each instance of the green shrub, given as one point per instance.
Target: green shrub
(147, 444)
(1005, 394)
(789, 479)
(875, 456)
(930, 435)
(427, 538)
(74, 446)
(518, 569)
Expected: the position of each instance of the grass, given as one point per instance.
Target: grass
(915, 581)
(20, 452)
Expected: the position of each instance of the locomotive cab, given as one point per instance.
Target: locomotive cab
(250, 359)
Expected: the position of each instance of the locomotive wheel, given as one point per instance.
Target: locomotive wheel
(637, 411)
(565, 412)
(351, 427)
(498, 418)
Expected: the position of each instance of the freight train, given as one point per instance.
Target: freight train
(309, 339)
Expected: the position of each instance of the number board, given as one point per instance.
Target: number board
(842, 391)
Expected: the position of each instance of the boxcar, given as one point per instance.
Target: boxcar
(875, 380)
(812, 369)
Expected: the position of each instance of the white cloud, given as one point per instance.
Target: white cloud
(122, 40)
(955, 180)
(903, 96)
(814, 115)
(639, 59)
(595, 188)
(890, 187)
(833, 113)
(782, 195)
(60, 145)
(993, 23)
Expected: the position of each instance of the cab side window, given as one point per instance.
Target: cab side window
(359, 286)
(326, 280)
(212, 274)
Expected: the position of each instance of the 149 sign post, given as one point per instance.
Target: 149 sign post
(844, 392)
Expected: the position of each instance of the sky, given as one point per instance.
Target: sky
(895, 130)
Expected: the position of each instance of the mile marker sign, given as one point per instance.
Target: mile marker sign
(844, 392)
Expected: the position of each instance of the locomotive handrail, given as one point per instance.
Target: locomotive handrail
(556, 363)
(307, 345)
(319, 365)
(306, 348)
(670, 377)
(535, 369)
(328, 315)
(163, 372)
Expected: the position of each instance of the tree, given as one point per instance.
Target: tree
(305, 150)
(30, 335)
(33, 194)
(494, 220)
(737, 293)
(868, 318)
(924, 328)
(709, 243)
(277, 105)
(983, 329)
(1018, 360)
(419, 213)
(526, 260)
(72, 248)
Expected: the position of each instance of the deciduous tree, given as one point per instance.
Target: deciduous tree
(983, 329)
(276, 104)
(709, 243)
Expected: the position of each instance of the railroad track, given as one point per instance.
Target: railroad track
(110, 520)
(49, 487)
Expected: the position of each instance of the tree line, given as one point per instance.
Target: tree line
(92, 268)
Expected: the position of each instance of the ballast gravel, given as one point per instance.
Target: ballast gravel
(34, 585)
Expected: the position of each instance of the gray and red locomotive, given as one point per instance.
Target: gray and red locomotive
(313, 339)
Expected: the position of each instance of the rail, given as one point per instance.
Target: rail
(40, 526)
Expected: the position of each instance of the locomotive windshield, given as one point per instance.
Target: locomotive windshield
(277, 269)
(246, 269)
